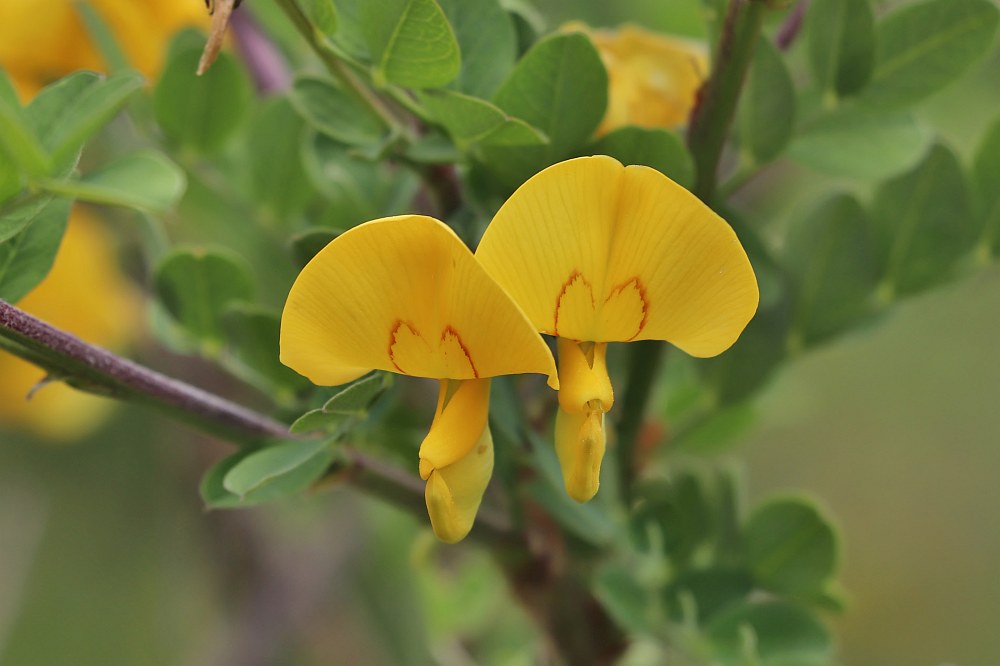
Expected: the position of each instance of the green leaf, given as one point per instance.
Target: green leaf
(781, 634)
(17, 215)
(925, 46)
(986, 180)
(11, 181)
(841, 44)
(277, 174)
(197, 286)
(924, 223)
(17, 141)
(861, 144)
(720, 429)
(252, 334)
(487, 40)
(276, 462)
(322, 14)
(145, 180)
(625, 599)
(831, 254)
(411, 42)
(656, 148)
(474, 121)
(713, 590)
(358, 190)
(307, 244)
(679, 509)
(561, 87)
(201, 112)
(351, 402)
(27, 256)
(70, 111)
(792, 548)
(336, 112)
(767, 110)
(217, 496)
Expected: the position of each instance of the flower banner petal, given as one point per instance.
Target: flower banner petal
(593, 250)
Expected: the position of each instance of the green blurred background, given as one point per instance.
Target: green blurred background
(106, 556)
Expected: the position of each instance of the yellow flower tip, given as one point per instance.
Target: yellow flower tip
(593, 250)
(580, 445)
(456, 457)
(404, 294)
(583, 374)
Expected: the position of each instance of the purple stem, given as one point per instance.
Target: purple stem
(262, 58)
(790, 29)
(63, 354)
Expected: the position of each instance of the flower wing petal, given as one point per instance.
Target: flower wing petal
(404, 294)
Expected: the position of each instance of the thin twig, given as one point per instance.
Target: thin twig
(91, 368)
(336, 66)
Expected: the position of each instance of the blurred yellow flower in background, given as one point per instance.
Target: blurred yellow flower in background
(86, 295)
(43, 40)
(653, 79)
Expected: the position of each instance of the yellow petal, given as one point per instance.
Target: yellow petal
(661, 264)
(453, 493)
(404, 294)
(583, 376)
(580, 444)
(653, 79)
(459, 420)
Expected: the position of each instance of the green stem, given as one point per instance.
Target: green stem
(645, 358)
(714, 113)
(710, 123)
(337, 67)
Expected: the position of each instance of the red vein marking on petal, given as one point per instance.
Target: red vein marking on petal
(392, 341)
(641, 290)
(448, 330)
(573, 277)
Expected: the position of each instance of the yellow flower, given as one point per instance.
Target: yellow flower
(404, 294)
(84, 294)
(42, 40)
(595, 252)
(653, 79)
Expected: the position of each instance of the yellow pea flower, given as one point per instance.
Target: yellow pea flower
(595, 252)
(84, 294)
(404, 294)
(42, 40)
(653, 79)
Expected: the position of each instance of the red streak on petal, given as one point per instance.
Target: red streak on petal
(642, 296)
(448, 330)
(392, 341)
(573, 277)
